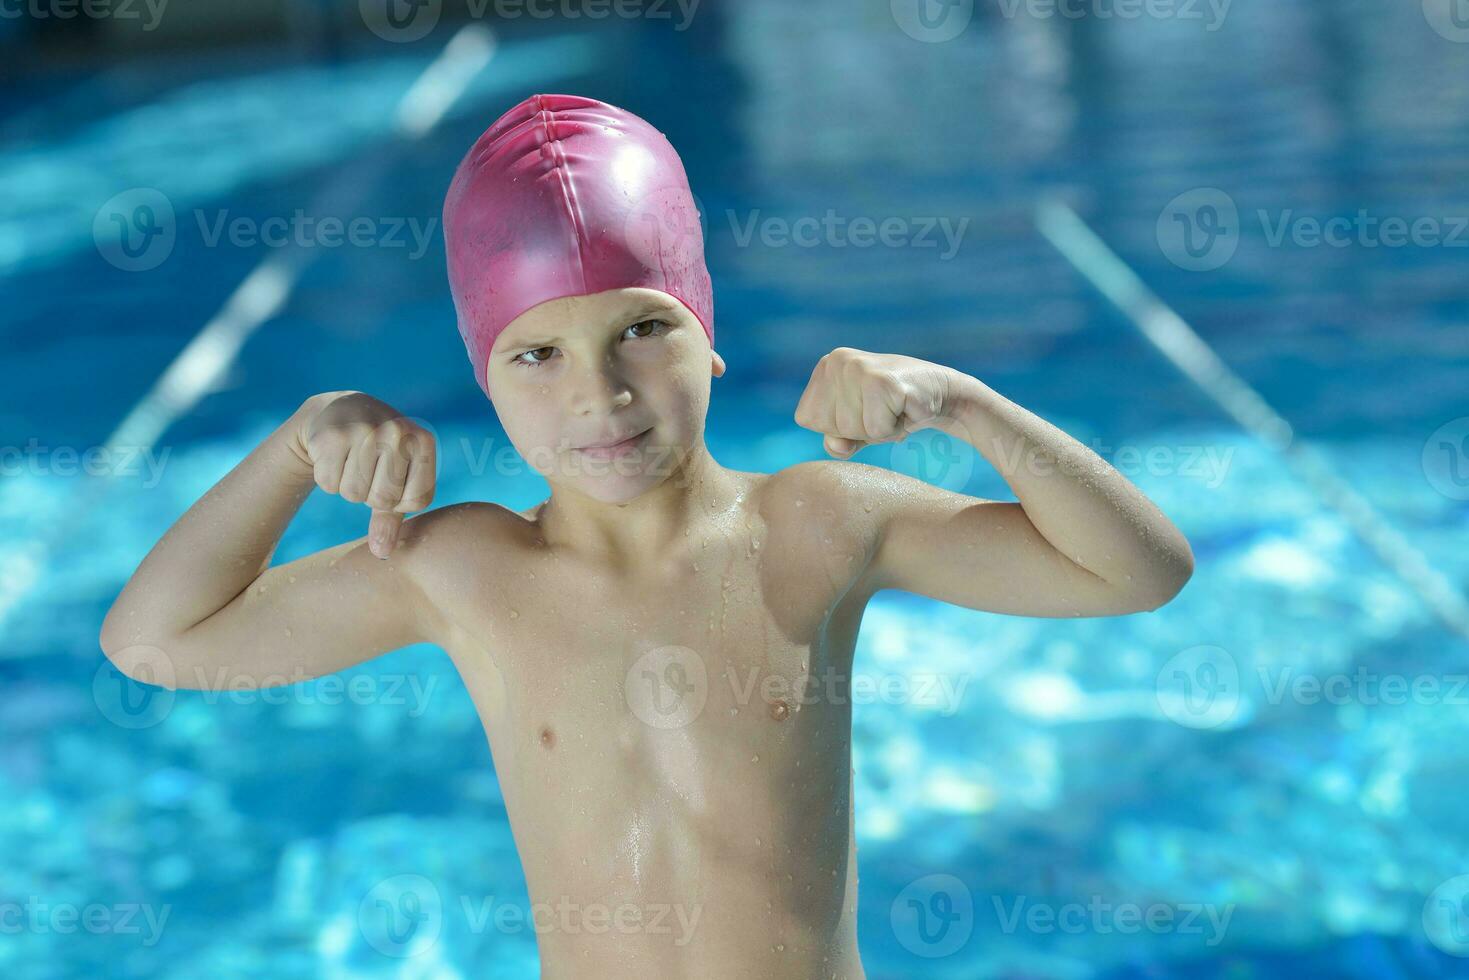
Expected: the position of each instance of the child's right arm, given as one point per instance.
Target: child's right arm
(205, 609)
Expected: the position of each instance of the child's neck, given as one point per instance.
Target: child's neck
(656, 524)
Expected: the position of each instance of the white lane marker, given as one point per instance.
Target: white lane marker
(1177, 341)
(258, 298)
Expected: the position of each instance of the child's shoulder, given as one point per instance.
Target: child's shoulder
(836, 484)
(449, 538)
(826, 503)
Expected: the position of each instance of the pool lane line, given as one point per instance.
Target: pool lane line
(256, 300)
(1191, 354)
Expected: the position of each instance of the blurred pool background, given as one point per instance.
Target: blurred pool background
(1265, 778)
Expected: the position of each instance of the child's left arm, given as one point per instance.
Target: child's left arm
(1081, 541)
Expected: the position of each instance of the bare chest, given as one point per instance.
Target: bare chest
(710, 682)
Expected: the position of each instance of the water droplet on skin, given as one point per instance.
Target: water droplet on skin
(757, 842)
(291, 579)
(754, 758)
(288, 631)
(514, 614)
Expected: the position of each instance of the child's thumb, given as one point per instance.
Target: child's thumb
(382, 532)
(840, 447)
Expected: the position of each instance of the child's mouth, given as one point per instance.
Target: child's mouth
(616, 449)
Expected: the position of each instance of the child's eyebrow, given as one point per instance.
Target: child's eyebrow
(642, 310)
(652, 306)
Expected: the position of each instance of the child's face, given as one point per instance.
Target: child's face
(581, 371)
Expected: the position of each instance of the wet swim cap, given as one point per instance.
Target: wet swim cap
(566, 196)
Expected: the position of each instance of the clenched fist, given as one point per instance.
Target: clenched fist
(368, 452)
(855, 398)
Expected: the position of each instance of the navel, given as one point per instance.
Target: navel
(548, 737)
(780, 710)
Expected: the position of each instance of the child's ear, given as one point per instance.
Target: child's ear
(716, 363)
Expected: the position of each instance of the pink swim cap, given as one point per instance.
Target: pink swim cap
(566, 196)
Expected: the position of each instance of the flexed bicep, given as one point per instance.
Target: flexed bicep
(970, 551)
(316, 615)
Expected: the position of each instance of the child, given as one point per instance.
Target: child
(660, 651)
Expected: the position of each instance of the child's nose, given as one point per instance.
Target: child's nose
(598, 389)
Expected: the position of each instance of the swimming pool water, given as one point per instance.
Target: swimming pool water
(1057, 788)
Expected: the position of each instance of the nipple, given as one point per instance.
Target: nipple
(548, 737)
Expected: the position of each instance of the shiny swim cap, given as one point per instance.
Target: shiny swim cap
(567, 196)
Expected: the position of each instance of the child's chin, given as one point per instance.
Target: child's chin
(617, 488)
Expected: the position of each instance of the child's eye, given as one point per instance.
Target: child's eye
(534, 360)
(652, 324)
(529, 358)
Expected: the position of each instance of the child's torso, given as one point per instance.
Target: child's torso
(673, 746)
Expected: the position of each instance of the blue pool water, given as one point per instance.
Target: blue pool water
(1066, 788)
